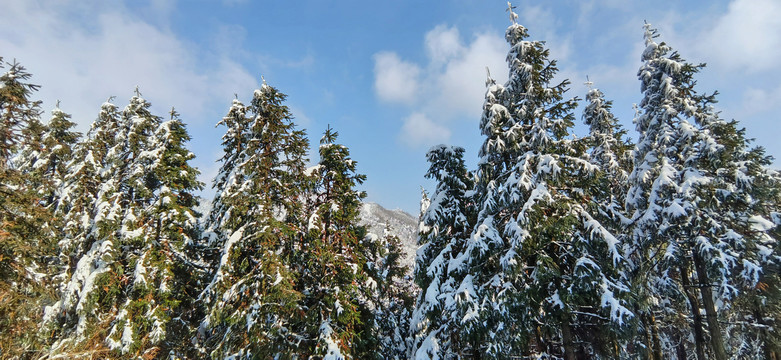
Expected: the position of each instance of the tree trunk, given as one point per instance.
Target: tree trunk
(655, 342)
(680, 350)
(691, 294)
(717, 342)
(566, 337)
(653, 345)
(759, 317)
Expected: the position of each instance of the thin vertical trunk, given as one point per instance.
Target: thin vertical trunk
(767, 346)
(566, 337)
(656, 344)
(717, 342)
(680, 350)
(694, 303)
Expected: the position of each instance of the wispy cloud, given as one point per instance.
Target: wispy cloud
(396, 81)
(448, 87)
(747, 37)
(111, 55)
(419, 129)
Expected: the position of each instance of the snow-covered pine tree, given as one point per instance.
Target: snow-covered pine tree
(76, 204)
(115, 293)
(610, 151)
(165, 283)
(332, 257)
(23, 244)
(112, 263)
(669, 305)
(255, 222)
(532, 242)
(59, 141)
(755, 314)
(447, 221)
(390, 299)
(28, 160)
(750, 317)
(42, 161)
(699, 235)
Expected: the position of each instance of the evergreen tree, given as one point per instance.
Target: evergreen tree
(447, 223)
(42, 162)
(388, 307)
(534, 252)
(117, 290)
(24, 246)
(29, 159)
(610, 152)
(330, 269)
(59, 142)
(164, 286)
(699, 235)
(256, 223)
(76, 204)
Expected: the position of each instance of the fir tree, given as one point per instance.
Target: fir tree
(32, 153)
(535, 241)
(388, 307)
(122, 235)
(699, 236)
(447, 223)
(164, 286)
(332, 258)
(59, 142)
(610, 152)
(76, 205)
(256, 222)
(42, 162)
(24, 246)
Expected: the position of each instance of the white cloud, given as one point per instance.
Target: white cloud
(82, 63)
(460, 88)
(395, 80)
(442, 44)
(419, 129)
(748, 36)
(451, 88)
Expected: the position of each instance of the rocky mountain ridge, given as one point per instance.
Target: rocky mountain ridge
(398, 222)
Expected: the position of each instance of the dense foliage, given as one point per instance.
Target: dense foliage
(555, 247)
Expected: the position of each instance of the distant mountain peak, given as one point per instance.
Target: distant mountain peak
(400, 224)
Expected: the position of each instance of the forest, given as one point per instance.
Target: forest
(556, 246)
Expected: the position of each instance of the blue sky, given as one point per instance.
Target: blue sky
(393, 77)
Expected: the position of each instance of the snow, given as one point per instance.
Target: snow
(555, 300)
(401, 224)
(226, 251)
(429, 348)
(759, 223)
(338, 307)
(466, 291)
(675, 210)
(595, 228)
(126, 340)
(332, 349)
(277, 280)
(139, 274)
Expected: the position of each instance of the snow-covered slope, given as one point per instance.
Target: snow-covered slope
(400, 223)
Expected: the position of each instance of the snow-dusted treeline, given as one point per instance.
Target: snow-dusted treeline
(553, 247)
(559, 247)
(103, 254)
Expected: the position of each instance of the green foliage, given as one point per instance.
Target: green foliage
(24, 243)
